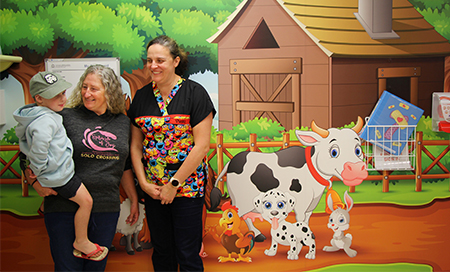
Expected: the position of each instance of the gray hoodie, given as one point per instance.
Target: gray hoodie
(43, 139)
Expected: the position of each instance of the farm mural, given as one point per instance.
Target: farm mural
(293, 82)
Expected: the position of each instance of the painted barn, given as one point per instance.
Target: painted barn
(325, 60)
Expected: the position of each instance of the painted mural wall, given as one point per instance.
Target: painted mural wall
(394, 224)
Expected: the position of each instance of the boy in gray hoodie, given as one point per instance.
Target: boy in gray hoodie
(43, 139)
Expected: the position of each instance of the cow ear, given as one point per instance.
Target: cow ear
(308, 138)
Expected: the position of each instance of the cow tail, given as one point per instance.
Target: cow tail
(216, 194)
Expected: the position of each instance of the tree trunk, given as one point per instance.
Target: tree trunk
(137, 79)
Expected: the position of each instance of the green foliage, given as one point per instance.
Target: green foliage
(23, 4)
(264, 128)
(432, 4)
(221, 16)
(209, 7)
(9, 137)
(113, 4)
(191, 29)
(436, 13)
(25, 29)
(96, 26)
(141, 17)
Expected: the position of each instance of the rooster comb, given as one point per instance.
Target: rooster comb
(227, 205)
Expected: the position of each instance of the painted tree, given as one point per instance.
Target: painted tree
(36, 30)
(68, 30)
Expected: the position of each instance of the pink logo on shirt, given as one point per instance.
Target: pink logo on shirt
(99, 140)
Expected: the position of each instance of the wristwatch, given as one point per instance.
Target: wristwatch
(175, 183)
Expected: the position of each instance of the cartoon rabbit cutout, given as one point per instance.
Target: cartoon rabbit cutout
(339, 221)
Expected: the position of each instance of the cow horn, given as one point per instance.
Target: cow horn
(322, 132)
(359, 124)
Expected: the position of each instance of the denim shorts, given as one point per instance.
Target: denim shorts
(69, 189)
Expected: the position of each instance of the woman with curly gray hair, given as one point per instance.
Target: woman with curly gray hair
(113, 89)
(99, 131)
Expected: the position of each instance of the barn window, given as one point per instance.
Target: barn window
(400, 81)
(261, 38)
(399, 86)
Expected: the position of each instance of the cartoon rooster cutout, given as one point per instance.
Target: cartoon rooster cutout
(232, 238)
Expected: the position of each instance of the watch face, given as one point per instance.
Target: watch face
(175, 182)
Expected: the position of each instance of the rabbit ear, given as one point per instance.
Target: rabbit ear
(348, 201)
(330, 203)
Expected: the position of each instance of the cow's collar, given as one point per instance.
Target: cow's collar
(313, 170)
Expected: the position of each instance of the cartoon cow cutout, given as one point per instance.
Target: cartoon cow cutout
(303, 172)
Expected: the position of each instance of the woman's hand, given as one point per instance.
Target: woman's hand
(134, 214)
(129, 187)
(42, 191)
(152, 190)
(168, 192)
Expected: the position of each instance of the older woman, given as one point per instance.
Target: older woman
(99, 131)
(170, 134)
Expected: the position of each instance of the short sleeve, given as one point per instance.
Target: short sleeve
(202, 104)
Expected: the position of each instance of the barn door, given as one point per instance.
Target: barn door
(266, 88)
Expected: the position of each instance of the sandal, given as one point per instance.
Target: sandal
(81, 255)
(40, 212)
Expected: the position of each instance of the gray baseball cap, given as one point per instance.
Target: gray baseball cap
(48, 85)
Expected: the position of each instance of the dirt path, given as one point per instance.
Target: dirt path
(381, 234)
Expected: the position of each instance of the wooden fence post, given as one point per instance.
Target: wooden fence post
(286, 140)
(385, 181)
(418, 173)
(252, 142)
(220, 165)
(24, 186)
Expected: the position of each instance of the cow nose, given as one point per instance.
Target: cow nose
(274, 213)
(359, 166)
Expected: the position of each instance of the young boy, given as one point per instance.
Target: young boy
(43, 139)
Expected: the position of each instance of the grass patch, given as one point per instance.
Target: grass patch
(401, 193)
(407, 267)
(11, 199)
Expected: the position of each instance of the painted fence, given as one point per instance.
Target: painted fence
(221, 149)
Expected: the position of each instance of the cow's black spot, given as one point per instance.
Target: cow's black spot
(238, 162)
(305, 229)
(293, 156)
(263, 178)
(284, 227)
(303, 243)
(313, 236)
(283, 238)
(295, 186)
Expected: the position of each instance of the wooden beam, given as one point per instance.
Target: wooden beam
(399, 72)
(266, 66)
(265, 106)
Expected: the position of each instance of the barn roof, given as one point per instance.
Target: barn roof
(333, 26)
